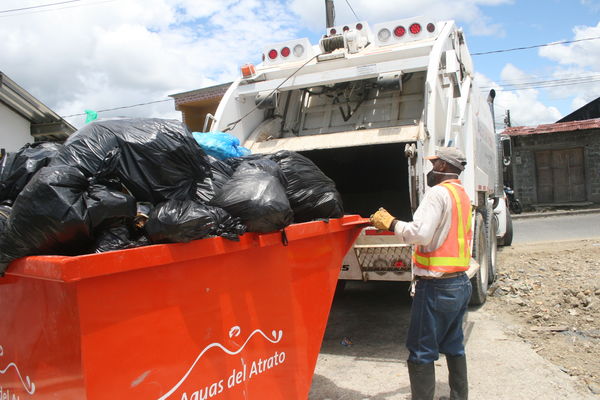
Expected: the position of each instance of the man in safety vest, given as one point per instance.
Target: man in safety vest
(441, 231)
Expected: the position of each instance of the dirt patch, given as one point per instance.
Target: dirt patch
(552, 292)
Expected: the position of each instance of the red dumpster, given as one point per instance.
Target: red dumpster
(207, 319)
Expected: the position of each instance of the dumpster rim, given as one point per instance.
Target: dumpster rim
(76, 268)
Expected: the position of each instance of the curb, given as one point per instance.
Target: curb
(554, 213)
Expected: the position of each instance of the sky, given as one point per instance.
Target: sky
(101, 54)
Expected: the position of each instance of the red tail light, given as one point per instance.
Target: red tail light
(273, 54)
(415, 28)
(359, 26)
(430, 27)
(399, 31)
(285, 51)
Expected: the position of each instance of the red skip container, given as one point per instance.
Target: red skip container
(207, 319)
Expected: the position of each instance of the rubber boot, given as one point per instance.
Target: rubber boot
(422, 380)
(457, 377)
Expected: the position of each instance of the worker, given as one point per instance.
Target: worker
(441, 231)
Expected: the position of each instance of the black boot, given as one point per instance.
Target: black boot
(457, 377)
(422, 380)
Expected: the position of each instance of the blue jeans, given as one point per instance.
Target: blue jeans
(436, 318)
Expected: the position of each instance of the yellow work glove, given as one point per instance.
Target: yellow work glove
(382, 219)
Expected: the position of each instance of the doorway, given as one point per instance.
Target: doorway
(560, 176)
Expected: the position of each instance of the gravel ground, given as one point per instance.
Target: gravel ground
(551, 291)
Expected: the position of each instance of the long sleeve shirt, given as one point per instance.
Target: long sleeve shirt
(430, 226)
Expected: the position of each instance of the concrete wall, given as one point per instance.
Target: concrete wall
(523, 161)
(14, 130)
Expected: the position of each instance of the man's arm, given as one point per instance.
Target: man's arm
(426, 219)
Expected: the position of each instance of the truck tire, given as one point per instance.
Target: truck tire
(508, 236)
(493, 248)
(481, 255)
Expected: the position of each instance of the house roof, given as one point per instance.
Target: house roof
(45, 123)
(208, 93)
(570, 126)
(589, 111)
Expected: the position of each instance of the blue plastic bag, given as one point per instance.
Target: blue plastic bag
(220, 145)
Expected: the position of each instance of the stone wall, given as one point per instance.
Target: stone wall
(523, 161)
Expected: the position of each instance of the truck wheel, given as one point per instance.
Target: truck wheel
(508, 236)
(493, 270)
(480, 254)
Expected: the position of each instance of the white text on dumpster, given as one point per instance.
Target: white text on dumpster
(237, 377)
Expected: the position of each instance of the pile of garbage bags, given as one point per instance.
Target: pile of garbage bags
(123, 183)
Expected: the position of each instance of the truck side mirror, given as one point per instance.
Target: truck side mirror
(506, 150)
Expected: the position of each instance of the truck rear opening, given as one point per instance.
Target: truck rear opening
(368, 177)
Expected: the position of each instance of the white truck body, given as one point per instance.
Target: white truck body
(367, 107)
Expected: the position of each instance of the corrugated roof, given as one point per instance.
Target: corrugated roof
(208, 93)
(570, 126)
(45, 123)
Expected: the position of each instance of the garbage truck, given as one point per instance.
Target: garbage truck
(367, 105)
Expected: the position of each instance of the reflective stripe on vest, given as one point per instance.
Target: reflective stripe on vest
(454, 254)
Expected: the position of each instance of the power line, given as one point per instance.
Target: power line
(503, 87)
(543, 77)
(352, 9)
(120, 108)
(546, 83)
(524, 86)
(535, 46)
(57, 8)
(39, 6)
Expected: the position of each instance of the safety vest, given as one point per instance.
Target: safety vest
(454, 254)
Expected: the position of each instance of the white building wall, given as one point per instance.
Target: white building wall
(14, 130)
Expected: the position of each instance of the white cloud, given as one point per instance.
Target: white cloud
(109, 53)
(594, 5)
(577, 60)
(583, 54)
(112, 54)
(524, 105)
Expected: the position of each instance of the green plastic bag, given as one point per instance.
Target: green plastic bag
(90, 116)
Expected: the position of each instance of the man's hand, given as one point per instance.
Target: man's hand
(382, 219)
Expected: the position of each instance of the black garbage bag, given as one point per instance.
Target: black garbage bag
(311, 193)
(263, 164)
(106, 201)
(155, 159)
(49, 216)
(177, 221)
(258, 198)
(221, 172)
(4, 214)
(235, 162)
(16, 169)
(118, 237)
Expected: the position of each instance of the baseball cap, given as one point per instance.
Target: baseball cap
(451, 155)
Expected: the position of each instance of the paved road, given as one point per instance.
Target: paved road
(374, 317)
(552, 228)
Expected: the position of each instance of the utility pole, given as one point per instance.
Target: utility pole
(329, 13)
(507, 122)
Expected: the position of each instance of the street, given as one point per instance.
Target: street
(551, 228)
(363, 354)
